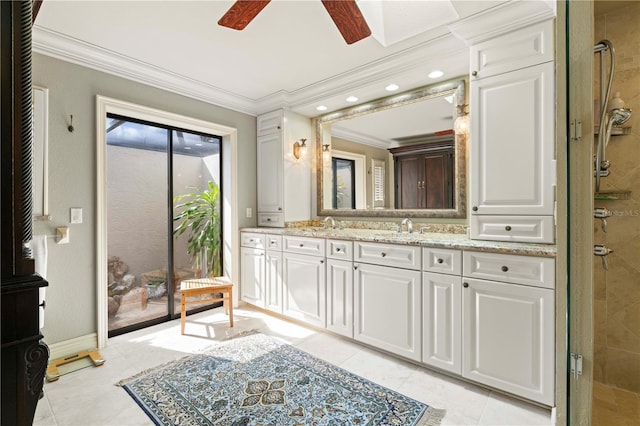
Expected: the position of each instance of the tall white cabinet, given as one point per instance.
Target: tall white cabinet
(284, 182)
(512, 148)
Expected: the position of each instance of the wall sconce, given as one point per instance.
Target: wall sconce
(461, 125)
(326, 152)
(299, 148)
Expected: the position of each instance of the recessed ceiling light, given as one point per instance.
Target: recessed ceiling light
(187, 147)
(198, 144)
(352, 99)
(392, 87)
(436, 74)
(321, 108)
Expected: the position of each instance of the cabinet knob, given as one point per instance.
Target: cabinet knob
(383, 254)
(322, 261)
(338, 249)
(474, 208)
(507, 228)
(279, 209)
(465, 285)
(504, 268)
(268, 219)
(355, 267)
(474, 73)
(301, 245)
(440, 260)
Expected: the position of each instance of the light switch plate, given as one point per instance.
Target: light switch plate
(249, 212)
(76, 215)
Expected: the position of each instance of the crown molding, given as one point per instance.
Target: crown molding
(351, 136)
(415, 60)
(502, 19)
(60, 46)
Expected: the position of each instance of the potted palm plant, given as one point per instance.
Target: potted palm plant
(199, 213)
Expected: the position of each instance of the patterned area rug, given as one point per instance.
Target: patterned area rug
(257, 380)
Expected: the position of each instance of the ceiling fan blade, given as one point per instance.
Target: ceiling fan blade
(241, 13)
(348, 18)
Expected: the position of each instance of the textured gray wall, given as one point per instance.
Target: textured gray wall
(71, 296)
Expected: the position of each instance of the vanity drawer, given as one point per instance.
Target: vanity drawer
(526, 229)
(527, 270)
(303, 245)
(444, 261)
(399, 256)
(274, 220)
(340, 249)
(274, 242)
(248, 239)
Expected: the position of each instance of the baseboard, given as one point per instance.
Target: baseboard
(72, 346)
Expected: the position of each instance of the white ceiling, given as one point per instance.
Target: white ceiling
(290, 55)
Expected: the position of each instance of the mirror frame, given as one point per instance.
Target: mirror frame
(455, 87)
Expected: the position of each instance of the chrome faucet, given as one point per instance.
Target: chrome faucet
(328, 220)
(407, 221)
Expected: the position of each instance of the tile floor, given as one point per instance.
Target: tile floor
(90, 397)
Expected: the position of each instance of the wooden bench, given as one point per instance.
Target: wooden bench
(200, 286)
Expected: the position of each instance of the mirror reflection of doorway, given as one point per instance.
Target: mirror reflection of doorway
(148, 165)
(344, 189)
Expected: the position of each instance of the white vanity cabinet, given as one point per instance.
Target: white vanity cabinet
(273, 274)
(253, 268)
(512, 149)
(508, 324)
(283, 181)
(442, 308)
(340, 287)
(387, 298)
(303, 273)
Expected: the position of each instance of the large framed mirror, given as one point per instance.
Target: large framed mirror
(395, 157)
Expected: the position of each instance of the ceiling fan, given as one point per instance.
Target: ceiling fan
(345, 14)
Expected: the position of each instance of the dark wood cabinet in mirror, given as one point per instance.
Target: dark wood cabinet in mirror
(394, 157)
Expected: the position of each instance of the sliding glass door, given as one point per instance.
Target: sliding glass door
(151, 169)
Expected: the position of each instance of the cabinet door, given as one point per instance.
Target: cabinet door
(270, 122)
(408, 182)
(522, 48)
(387, 309)
(442, 321)
(512, 165)
(304, 288)
(273, 281)
(270, 173)
(340, 297)
(508, 338)
(252, 275)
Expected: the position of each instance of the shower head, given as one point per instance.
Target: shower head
(619, 116)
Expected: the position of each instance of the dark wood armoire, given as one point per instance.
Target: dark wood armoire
(424, 175)
(23, 353)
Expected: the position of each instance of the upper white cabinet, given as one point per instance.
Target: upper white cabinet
(283, 182)
(518, 49)
(512, 148)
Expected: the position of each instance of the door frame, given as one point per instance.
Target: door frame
(230, 231)
(580, 200)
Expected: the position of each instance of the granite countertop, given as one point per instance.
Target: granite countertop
(427, 239)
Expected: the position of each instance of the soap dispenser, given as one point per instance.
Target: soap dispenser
(616, 102)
